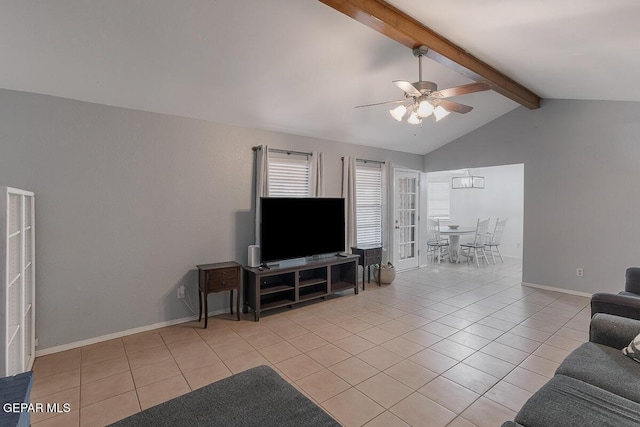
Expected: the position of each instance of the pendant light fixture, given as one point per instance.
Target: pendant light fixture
(467, 181)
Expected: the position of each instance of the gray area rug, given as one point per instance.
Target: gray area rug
(256, 397)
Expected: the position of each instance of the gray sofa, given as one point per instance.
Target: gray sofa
(626, 303)
(596, 384)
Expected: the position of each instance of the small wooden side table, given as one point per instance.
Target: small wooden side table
(369, 255)
(217, 277)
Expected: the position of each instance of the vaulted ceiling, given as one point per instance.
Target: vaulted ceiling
(299, 66)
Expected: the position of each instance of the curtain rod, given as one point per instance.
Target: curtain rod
(277, 150)
(382, 162)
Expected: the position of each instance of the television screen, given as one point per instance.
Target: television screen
(301, 227)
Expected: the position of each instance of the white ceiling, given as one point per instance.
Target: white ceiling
(297, 66)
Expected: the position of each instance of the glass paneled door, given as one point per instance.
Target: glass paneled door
(406, 211)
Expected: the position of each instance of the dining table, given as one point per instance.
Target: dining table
(454, 240)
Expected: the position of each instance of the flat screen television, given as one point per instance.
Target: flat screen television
(300, 227)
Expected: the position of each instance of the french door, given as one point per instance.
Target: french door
(406, 221)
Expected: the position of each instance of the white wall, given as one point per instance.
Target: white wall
(129, 202)
(502, 197)
(581, 169)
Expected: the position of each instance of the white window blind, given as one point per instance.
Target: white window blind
(369, 203)
(438, 199)
(289, 175)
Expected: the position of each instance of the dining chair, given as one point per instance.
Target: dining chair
(493, 242)
(479, 239)
(435, 243)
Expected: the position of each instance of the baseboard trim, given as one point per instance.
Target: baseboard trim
(555, 289)
(89, 341)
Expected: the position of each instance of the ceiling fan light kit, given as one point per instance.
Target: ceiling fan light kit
(422, 98)
(398, 112)
(440, 113)
(414, 119)
(425, 109)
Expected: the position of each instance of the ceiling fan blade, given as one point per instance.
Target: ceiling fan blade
(461, 90)
(454, 106)
(408, 88)
(399, 101)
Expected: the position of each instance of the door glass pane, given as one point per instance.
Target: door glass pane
(406, 217)
(14, 213)
(406, 220)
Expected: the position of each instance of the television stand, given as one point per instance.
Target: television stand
(284, 286)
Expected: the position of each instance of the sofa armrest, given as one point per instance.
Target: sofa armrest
(619, 305)
(632, 280)
(613, 331)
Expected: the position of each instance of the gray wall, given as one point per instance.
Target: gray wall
(128, 203)
(581, 173)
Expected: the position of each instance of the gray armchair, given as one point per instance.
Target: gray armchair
(624, 304)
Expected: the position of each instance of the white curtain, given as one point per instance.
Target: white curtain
(317, 175)
(349, 194)
(387, 212)
(262, 184)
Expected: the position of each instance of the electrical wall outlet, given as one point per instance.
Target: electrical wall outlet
(181, 292)
(580, 272)
(36, 342)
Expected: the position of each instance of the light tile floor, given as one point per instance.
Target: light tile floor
(447, 345)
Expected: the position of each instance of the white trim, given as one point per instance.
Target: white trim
(555, 289)
(82, 343)
(20, 192)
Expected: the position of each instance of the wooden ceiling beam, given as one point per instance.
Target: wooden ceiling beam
(397, 25)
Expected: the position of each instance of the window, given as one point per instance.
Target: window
(369, 203)
(438, 198)
(289, 175)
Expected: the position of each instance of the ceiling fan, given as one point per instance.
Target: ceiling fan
(422, 98)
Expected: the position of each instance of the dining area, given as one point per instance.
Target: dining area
(445, 243)
(477, 224)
